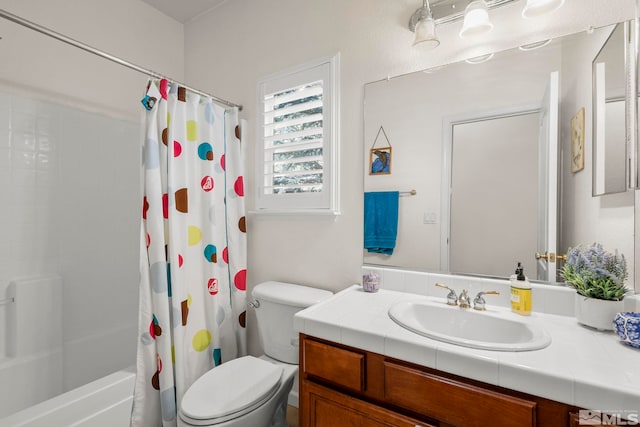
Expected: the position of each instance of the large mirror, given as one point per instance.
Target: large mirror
(486, 144)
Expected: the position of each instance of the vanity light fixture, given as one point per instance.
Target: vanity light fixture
(476, 19)
(433, 69)
(423, 24)
(535, 45)
(473, 13)
(535, 8)
(479, 59)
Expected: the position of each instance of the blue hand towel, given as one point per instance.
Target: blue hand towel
(381, 221)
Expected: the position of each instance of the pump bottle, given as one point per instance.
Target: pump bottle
(520, 292)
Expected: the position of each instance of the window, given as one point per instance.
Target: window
(297, 137)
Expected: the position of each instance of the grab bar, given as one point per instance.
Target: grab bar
(7, 301)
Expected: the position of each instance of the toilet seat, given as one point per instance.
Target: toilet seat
(230, 390)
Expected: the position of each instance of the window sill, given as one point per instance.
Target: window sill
(297, 212)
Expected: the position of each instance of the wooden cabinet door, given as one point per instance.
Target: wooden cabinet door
(341, 367)
(329, 408)
(452, 401)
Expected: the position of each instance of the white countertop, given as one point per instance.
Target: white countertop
(583, 367)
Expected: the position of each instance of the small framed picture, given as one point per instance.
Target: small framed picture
(380, 161)
(577, 141)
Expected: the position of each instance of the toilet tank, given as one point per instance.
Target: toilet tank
(278, 303)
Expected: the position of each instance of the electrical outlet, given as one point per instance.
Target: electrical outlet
(429, 218)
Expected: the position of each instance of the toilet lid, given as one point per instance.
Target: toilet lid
(231, 387)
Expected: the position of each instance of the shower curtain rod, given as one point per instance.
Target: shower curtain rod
(46, 31)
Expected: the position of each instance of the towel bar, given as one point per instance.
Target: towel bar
(7, 301)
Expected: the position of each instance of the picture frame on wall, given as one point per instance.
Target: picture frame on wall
(380, 160)
(577, 141)
(380, 157)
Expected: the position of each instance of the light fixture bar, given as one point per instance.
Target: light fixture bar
(422, 13)
(453, 10)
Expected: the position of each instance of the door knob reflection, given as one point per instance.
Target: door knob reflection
(551, 257)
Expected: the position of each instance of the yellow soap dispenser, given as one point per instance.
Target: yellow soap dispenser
(520, 292)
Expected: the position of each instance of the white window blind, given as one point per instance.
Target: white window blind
(297, 139)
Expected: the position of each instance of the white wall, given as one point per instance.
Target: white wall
(227, 50)
(34, 63)
(607, 219)
(78, 213)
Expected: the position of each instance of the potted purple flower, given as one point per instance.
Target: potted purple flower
(598, 276)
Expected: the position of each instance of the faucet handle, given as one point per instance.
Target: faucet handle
(452, 298)
(464, 300)
(479, 302)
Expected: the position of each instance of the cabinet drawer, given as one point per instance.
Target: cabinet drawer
(329, 408)
(336, 365)
(454, 402)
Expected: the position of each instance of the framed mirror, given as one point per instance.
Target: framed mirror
(487, 148)
(610, 167)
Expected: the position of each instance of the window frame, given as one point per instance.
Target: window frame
(327, 200)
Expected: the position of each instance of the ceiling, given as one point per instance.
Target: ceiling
(183, 10)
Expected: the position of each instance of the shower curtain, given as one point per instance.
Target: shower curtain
(192, 248)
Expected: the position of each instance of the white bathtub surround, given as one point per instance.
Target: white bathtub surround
(36, 323)
(105, 402)
(54, 191)
(192, 248)
(98, 349)
(581, 367)
(32, 345)
(29, 380)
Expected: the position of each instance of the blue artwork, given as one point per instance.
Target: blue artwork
(380, 160)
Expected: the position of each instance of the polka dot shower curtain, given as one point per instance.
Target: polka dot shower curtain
(192, 249)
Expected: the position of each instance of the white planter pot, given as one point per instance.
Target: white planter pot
(597, 313)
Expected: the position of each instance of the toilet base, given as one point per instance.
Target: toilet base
(271, 414)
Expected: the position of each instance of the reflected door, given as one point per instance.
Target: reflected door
(548, 180)
(493, 193)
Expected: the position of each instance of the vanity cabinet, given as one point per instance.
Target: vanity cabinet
(345, 386)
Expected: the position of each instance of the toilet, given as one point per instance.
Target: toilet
(253, 391)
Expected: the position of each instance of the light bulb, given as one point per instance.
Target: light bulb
(476, 19)
(535, 8)
(426, 34)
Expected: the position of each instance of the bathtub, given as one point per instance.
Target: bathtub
(31, 344)
(105, 402)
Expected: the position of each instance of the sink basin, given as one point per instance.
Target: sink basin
(469, 327)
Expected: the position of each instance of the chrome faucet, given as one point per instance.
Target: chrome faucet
(479, 302)
(464, 300)
(452, 298)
